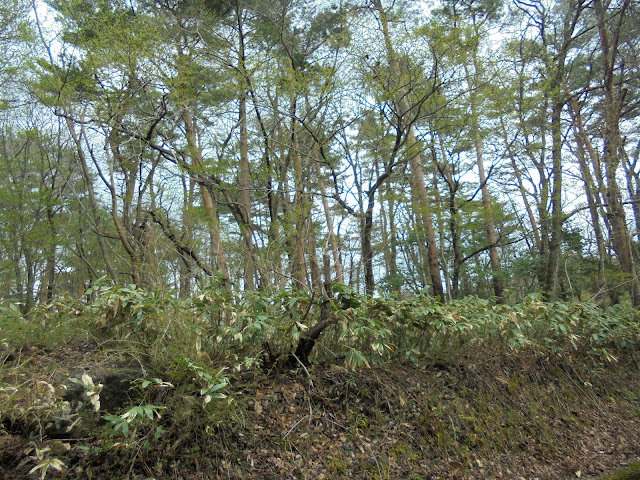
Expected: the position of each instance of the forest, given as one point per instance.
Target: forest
(334, 201)
(464, 148)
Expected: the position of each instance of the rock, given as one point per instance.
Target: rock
(117, 391)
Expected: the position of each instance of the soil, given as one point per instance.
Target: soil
(481, 415)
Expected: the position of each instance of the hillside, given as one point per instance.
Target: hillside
(476, 415)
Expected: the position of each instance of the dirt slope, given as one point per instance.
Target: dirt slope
(481, 416)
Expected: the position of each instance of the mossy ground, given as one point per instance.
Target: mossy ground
(480, 415)
(632, 472)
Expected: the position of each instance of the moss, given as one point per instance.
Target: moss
(632, 472)
(337, 465)
(368, 467)
(403, 451)
(361, 423)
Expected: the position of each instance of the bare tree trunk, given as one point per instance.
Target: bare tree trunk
(213, 222)
(393, 238)
(446, 171)
(244, 174)
(299, 214)
(186, 264)
(439, 208)
(93, 203)
(337, 265)
(558, 100)
(387, 215)
(557, 218)
(584, 145)
(492, 238)
(245, 198)
(613, 102)
(423, 214)
(417, 227)
(316, 276)
(47, 287)
(367, 250)
(123, 234)
(29, 299)
(535, 230)
(633, 189)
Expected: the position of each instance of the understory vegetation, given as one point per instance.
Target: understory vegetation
(296, 239)
(256, 328)
(392, 388)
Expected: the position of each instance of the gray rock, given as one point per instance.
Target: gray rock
(117, 391)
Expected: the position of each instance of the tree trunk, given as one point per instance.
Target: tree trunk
(387, 216)
(492, 238)
(337, 264)
(186, 264)
(244, 174)
(419, 189)
(366, 228)
(535, 230)
(613, 144)
(93, 203)
(424, 215)
(584, 145)
(213, 223)
(453, 186)
(633, 189)
(557, 218)
(49, 279)
(124, 234)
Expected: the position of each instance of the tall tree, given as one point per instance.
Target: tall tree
(557, 29)
(470, 23)
(611, 24)
(404, 84)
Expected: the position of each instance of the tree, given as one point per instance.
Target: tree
(557, 31)
(14, 35)
(610, 26)
(470, 22)
(405, 96)
(38, 178)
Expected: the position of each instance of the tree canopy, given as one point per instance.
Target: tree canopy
(462, 148)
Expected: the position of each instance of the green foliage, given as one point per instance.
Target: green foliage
(179, 395)
(91, 390)
(128, 308)
(367, 325)
(255, 318)
(14, 32)
(632, 472)
(135, 416)
(45, 462)
(209, 385)
(243, 330)
(380, 328)
(49, 324)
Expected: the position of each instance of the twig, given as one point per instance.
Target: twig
(294, 426)
(305, 370)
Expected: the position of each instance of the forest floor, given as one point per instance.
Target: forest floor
(479, 415)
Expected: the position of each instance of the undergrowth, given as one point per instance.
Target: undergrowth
(485, 369)
(239, 330)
